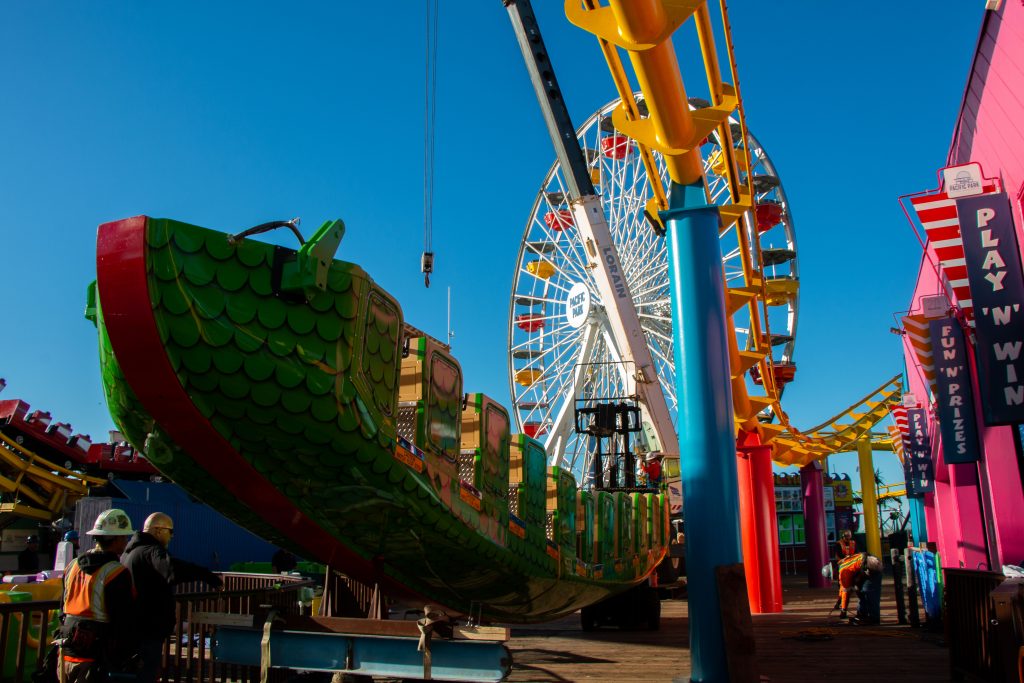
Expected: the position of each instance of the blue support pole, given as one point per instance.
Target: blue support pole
(917, 518)
(707, 446)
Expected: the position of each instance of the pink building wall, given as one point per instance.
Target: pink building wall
(990, 131)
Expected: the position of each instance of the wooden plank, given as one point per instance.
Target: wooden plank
(737, 626)
(223, 619)
(368, 627)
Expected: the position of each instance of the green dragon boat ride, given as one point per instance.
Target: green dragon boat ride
(284, 389)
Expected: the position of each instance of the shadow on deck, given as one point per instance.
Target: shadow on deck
(800, 644)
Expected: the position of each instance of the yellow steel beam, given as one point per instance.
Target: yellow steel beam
(40, 488)
(643, 29)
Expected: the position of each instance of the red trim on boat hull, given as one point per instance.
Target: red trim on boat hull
(129, 321)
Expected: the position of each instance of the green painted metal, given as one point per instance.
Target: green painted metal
(304, 384)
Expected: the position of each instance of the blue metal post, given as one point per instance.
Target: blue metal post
(917, 518)
(707, 447)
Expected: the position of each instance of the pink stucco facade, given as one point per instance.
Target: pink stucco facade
(977, 512)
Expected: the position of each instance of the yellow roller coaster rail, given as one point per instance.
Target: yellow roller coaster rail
(34, 487)
(643, 29)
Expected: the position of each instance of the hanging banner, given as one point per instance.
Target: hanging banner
(917, 454)
(997, 291)
(954, 398)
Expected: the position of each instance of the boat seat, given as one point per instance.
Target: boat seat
(484, 459)
(429, 398)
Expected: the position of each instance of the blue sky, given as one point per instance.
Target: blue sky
(231, 114)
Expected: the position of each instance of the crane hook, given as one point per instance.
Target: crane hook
(427, 266)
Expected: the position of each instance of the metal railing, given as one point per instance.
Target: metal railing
(187, 654)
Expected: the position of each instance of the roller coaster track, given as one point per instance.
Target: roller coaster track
(643, 30)
(34, 487)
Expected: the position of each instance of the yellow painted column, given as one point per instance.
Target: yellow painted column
(867, 488)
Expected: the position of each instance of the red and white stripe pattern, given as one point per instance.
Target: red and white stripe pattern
(920, 340)
(937, 213)
(899, 416)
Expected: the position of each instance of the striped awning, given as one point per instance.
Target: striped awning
(937, 213)
(920, 340)
(896, 435)
(899, 416)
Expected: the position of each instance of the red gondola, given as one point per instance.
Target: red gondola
(784, 373)
(616, 146)
(529, 322)
(559, 220)
(535, 429)
(768, 215)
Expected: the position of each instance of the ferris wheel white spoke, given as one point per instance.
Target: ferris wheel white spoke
(656, 278)
(641, 255)
(661, 335)
(561, 422)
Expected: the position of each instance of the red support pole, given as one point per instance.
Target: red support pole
(748, 530)
(767, 528)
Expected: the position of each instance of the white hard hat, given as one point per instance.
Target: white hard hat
(112, 522)
(826, 571)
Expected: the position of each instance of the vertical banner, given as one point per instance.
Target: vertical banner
(954, 399)
(917, 454)
(997, 291)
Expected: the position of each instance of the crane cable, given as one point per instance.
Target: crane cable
(429, 119)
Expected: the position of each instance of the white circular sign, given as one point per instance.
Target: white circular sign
(577, 305)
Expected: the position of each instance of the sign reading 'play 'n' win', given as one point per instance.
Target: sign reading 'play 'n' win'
(997, 292)
(954, 400)
(917, 456)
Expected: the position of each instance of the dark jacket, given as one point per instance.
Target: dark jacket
(118, 633)
(154, 572)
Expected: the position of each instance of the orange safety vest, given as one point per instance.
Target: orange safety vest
(848, 547)
(848, 568)
(85, 594)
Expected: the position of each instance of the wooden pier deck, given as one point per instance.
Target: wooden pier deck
(786, 647)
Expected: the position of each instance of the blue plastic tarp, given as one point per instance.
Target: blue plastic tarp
(927, 572)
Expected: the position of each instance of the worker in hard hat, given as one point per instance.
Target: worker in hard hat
(72, 538)
(869, 591)
(854, 572)
(846, 546)
(98, 604)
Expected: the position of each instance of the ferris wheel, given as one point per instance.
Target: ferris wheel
(561, 350)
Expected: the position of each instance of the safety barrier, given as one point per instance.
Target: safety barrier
(21, 625)
(984, 624)
(186, 655)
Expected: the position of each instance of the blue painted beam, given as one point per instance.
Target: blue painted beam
(707, 445)
(451, 660)
(918, 522)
